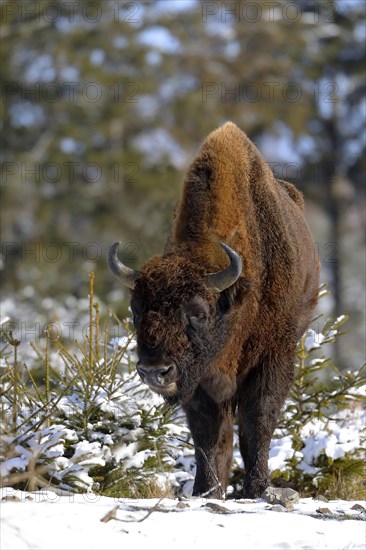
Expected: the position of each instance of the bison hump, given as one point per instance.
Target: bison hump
(293, 193)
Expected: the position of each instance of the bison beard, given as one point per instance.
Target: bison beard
(217, 326)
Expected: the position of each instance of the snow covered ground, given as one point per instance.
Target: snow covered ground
(46, 520)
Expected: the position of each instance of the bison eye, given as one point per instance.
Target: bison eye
(197, 312)
(196, 321)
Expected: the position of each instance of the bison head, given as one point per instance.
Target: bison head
(181, 316)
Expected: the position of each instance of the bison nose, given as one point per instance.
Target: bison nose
(157, 375)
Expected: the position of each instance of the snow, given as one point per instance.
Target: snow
(46, 520)
(313, 340)
(281, 450)
(17, 463)
(333, 438)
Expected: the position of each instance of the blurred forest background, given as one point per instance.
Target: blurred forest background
(105, 103)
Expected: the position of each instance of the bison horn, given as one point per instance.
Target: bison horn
(221, 280)
(125, 274)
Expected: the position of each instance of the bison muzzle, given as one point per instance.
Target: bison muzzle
(219, 314)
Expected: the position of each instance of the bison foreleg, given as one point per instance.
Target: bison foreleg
(211, 427)
(261, 398)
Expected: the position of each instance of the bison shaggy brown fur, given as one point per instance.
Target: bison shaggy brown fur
(228, 350)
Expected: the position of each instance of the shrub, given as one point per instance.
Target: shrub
(90, 425)
(80, 419)
(321, 434)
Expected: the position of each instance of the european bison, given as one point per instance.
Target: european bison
(219, 314)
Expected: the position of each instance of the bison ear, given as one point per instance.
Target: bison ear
(234, 295)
